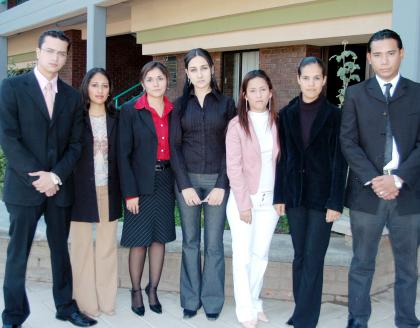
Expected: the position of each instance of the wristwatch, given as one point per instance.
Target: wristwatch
(398, 182)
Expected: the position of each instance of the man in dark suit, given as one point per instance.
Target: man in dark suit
(380, 138)
(40, 133)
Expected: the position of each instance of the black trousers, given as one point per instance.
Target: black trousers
(310, 237)
(23, 222)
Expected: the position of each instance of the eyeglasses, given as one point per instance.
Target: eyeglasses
(52, 52)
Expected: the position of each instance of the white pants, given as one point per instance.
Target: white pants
(250, 246)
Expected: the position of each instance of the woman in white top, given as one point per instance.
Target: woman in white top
(252, 149)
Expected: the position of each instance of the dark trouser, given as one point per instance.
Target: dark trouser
(23, 222)
(202, 287)
(310, 236)
(403, 232)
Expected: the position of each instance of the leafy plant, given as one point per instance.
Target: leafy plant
(346, 72)
(13, 70)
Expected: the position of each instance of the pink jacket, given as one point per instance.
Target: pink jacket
(243, 160)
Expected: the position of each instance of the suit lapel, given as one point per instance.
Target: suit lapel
(319, 122)
(34, 91)
(400, 89)
(59, 102)
(254, 138)
(146, 116)
(374, 89)
(110, 123)
(294, 123)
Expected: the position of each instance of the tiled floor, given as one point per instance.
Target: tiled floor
(332, 315)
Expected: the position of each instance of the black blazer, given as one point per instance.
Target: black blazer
(85, 207)
(363, 131)
(137, 151)
(314, 176)
(33, 142)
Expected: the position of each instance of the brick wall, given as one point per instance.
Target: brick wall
(281, 65)
(75, 68)
(124, 61)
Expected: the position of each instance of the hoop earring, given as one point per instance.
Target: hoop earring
(246, 105)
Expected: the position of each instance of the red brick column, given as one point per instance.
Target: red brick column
(74, 70)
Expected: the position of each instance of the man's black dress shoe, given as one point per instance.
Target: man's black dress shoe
(77, 318)
(188, 314)
(157, 307)
(12, 326)
(290, 322)
(354, 323)
(212, 316)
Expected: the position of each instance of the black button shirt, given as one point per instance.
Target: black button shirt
(198, 138)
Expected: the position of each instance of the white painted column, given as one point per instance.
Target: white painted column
(96, 37)
(406, 22)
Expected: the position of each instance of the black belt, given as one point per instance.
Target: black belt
(162, 165)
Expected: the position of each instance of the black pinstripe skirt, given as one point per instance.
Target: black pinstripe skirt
(155, 220)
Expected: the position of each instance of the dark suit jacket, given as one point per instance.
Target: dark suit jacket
(33, 142)
(137, 151)
(314, 176)
(363, 131)
(85, 207)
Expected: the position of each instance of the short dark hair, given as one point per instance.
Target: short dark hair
(58, 34)
(152, 65)
(84, 90)
(311, 60)
(382, 35)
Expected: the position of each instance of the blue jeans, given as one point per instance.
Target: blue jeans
(403, 232)
(202, 287)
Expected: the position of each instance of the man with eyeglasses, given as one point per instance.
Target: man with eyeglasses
(40, 133)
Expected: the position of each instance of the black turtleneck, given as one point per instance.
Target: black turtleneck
(307, 114)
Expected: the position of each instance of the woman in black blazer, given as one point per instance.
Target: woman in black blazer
(97, 201)
(147, 183)
(309, 187)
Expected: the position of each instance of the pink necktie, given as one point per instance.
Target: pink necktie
(49, 98)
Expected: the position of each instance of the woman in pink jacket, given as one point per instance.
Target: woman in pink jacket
(252, 149)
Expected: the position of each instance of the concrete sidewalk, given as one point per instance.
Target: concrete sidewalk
(332, 315)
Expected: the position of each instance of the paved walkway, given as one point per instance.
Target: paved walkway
(332, 315)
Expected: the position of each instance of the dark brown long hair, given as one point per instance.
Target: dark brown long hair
(188, 86)
(84, 90)
(242, 107)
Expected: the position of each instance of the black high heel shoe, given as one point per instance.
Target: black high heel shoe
(157, 307)
(140, 309)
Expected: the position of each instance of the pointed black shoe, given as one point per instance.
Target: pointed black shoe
(188, 314)
(157, 308)
(137, 310)
(290, 322)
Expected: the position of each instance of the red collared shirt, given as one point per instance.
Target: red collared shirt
(161, 125)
